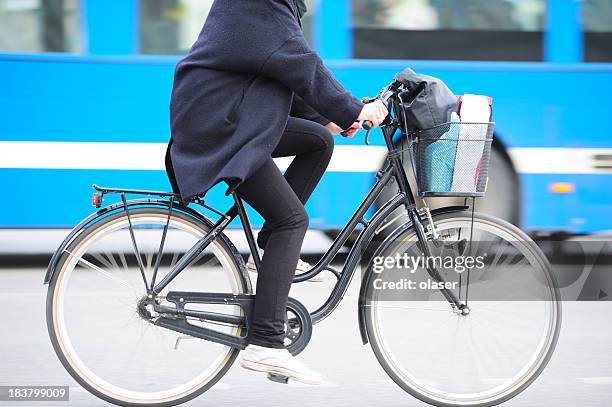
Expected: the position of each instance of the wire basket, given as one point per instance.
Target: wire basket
(452, 160)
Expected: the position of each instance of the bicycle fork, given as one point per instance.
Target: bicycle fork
(415, 218)
(423, 245)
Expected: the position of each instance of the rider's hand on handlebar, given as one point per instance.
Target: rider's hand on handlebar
(376, 112)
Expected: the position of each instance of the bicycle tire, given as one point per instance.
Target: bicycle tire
(408, 229)
(203, 225)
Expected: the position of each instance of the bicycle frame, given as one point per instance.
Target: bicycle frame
(344, 277)
(393, 171)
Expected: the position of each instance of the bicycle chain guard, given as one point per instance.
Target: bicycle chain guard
(298, 324)
(298, 327)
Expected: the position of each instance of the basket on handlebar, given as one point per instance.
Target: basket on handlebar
(452, 159)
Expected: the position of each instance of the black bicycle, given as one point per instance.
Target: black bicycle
(149, 302)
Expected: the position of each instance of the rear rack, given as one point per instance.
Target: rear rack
(97, 198)
(162, 194)
(175, 199)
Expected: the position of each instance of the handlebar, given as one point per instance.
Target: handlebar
(367, 125)
(388, 95)
(385, 94)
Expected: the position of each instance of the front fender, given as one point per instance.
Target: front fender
(366, 274)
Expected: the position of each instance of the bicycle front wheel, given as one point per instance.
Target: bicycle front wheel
(480, 357)
(103, 335)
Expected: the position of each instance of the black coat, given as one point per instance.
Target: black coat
(233, 93)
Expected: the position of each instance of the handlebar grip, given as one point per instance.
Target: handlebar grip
(367, 125)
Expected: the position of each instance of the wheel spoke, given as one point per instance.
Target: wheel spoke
(104, 273)
(108, 336)
(378, 305)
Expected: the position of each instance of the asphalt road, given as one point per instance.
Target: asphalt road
(580, 372)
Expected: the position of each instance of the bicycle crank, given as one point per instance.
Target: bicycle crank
(298, 324)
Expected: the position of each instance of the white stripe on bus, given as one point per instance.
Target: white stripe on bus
(545, 160)
(147, 156)
(347, 158)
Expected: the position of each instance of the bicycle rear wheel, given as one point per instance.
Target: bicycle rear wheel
(448, 358)
(107, 342)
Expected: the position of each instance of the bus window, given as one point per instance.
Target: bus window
(597, 23)
(39, 26)
(449, 29)
(170, 27)
(307, 20)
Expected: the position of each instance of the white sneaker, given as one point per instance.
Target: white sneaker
(278, 361)
(301, 268)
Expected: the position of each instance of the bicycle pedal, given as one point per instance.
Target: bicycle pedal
(278, 378)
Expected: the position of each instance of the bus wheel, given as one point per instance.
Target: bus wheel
(502, 198)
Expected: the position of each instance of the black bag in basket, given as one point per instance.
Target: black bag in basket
(427, 101)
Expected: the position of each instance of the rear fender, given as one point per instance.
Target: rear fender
(93, 218)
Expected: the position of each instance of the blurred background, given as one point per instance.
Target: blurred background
(86, 85)
(84, 95)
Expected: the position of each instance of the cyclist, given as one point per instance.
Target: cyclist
(249, 90)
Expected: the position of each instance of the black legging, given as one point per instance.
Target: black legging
(280, 201)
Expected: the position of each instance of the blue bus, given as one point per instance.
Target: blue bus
(85, 86)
